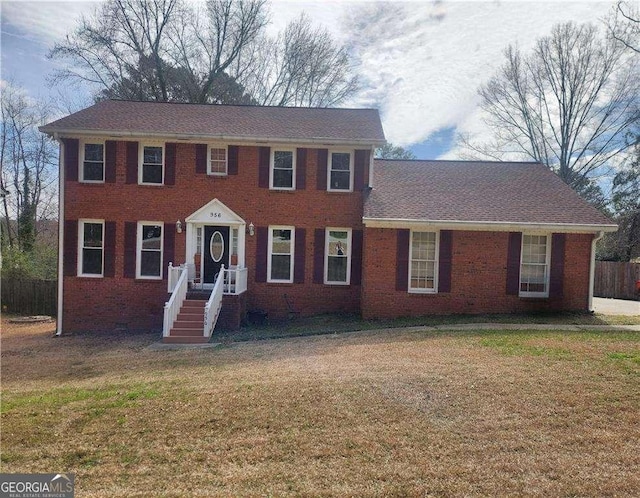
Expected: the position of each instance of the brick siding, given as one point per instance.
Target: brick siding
(478, 278)
(478, 268)
(105, 303)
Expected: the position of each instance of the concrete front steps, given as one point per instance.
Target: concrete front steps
(188, 327)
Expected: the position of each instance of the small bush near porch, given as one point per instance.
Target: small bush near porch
(360, 414)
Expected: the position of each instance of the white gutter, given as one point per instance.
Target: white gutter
(592, 268)
(60, 234)
(485, 225)
(194, 137)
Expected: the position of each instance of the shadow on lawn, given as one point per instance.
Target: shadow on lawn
(338, 323)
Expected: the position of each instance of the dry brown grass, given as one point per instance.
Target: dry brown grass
(395, 413)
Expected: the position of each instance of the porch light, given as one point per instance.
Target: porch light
(178, 226)
(252, 229)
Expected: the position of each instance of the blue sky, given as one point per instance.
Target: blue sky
(419, 63)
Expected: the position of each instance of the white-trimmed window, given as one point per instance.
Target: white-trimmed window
(534, 265)
(337, 256)
(340, 171)
(282, 174)
(218, 159)
(91, 248)
(151, 164)
(91, 161)
(423, 262)
(280, 256)
(149, 251)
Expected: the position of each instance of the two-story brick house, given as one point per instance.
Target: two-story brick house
(158, 197)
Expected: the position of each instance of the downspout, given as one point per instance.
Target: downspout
(60, 233)
(592, 268)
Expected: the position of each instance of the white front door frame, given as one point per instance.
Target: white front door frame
(214, 213)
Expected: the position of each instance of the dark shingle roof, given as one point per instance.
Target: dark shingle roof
(467, 191)
(224, 121)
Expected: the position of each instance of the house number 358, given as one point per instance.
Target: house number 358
(215, 215)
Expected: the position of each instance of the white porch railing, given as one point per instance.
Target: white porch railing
(214, 304)
(178, 295)
(235, 280)
(173, 275)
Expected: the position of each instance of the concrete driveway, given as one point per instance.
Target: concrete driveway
(615, 306)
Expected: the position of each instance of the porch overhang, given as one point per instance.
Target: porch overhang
(215, 212)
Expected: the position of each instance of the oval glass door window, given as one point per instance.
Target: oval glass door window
(216, 247)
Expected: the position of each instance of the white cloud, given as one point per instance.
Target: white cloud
(46, 22)
(325, 14)
(50, 21)
(423, 62)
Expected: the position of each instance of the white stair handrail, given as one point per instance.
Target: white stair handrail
(214, 304)
(173, 305)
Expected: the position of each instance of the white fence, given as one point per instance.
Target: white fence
(235, 280)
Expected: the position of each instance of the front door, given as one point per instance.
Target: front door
(216, 252)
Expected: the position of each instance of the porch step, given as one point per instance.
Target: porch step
(188, 316)
(193, 304)
(180, 331)
(198, 295)
(189, 325)
(191, 339)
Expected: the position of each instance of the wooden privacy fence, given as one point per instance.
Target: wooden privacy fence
(616, 279)
(29, 297)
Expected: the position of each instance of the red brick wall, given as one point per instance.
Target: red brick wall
(102, 304)
(479, 258)
(478, 278)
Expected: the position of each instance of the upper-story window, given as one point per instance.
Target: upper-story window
(151, 165)
(340, 171)
(283, 169)
(217, 160)
(534, 266)
(92, 162)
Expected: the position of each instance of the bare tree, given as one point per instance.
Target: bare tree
(206, 43)
(303, 66)
(624, 25)
(28, 161)
(217, 52)
(569, 104)
(121, 48)
(159, 50)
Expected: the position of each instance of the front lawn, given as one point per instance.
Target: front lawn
(394, 413)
